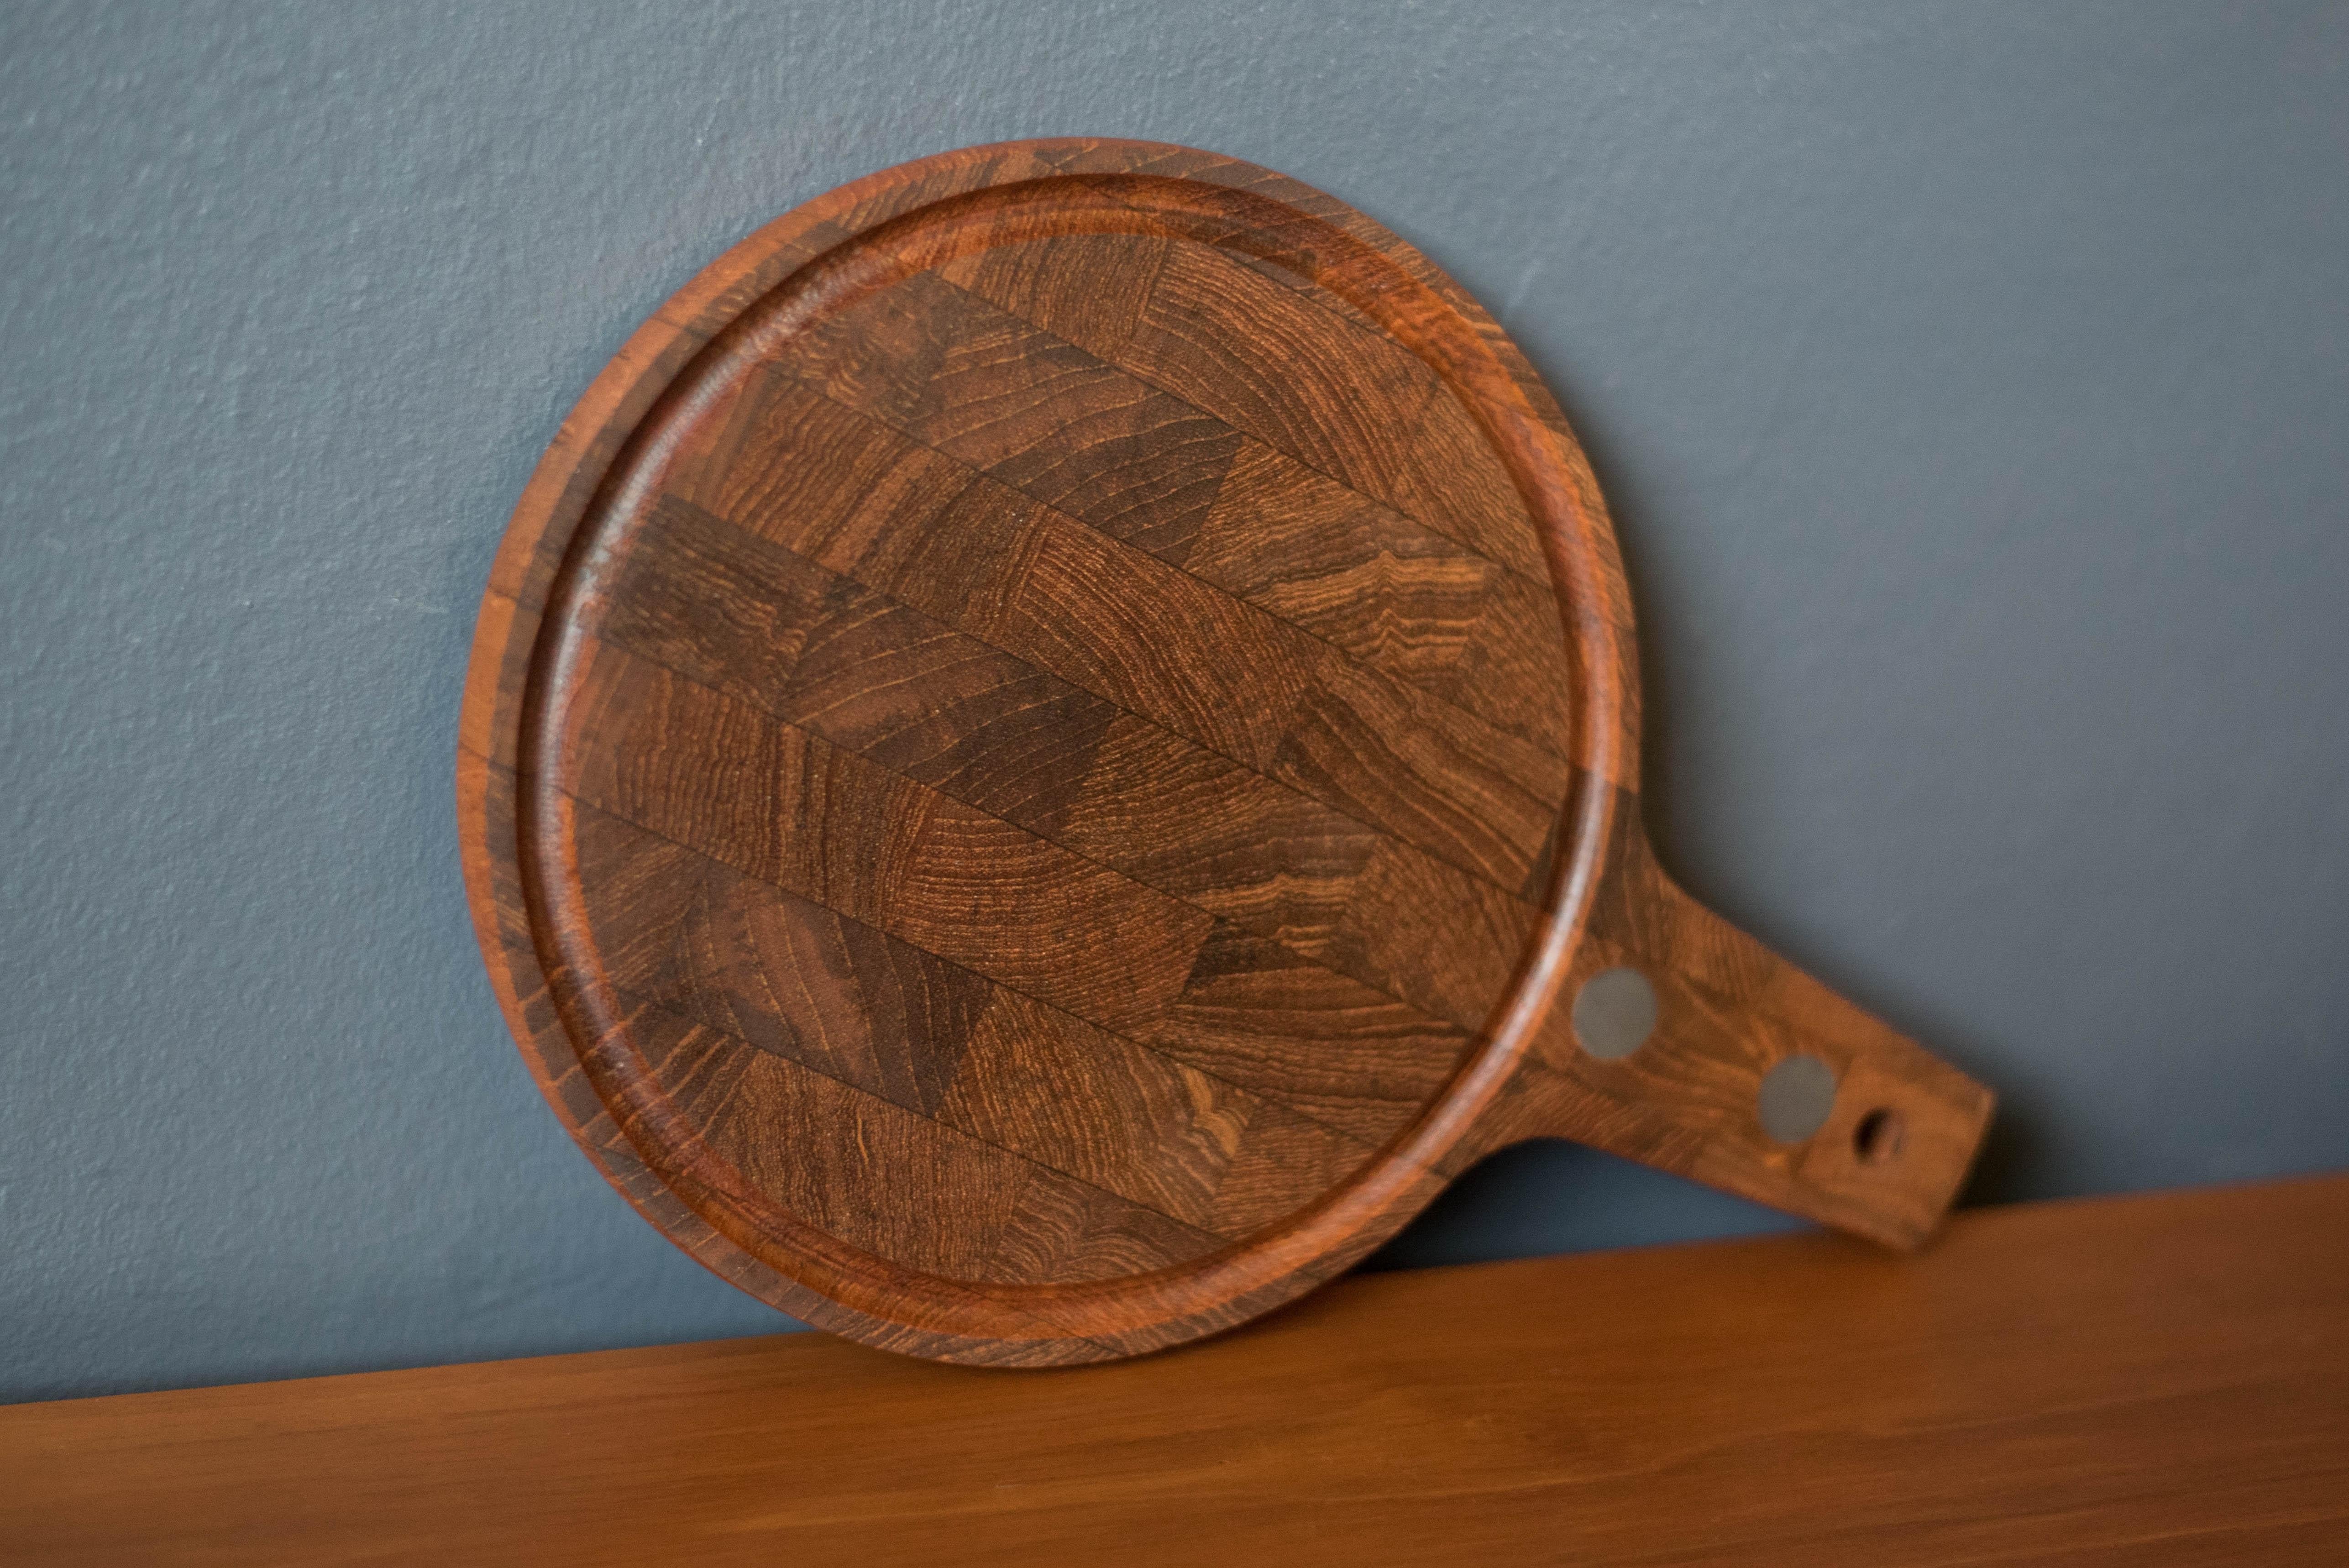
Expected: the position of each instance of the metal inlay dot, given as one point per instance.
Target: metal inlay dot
(1795, 1097)
(1614, 1013)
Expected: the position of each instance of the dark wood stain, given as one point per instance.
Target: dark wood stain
(1048, 748)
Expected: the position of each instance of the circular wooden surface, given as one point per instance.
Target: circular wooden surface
(1023, 749)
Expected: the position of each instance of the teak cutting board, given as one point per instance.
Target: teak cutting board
(1052, 749)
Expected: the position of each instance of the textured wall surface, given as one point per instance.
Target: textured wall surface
(1970, 381)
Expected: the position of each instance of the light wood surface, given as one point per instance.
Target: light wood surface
(2146, 1379)
(1049, 749)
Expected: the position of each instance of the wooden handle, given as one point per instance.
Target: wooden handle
(1742, 1071)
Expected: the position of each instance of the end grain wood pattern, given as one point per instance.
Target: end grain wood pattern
(1048, 748)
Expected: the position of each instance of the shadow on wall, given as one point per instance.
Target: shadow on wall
(1598, 1201)
(1604, 1202)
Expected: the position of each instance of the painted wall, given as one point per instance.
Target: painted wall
(1970, 381)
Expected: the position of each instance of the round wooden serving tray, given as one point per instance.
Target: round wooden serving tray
(1052, 749)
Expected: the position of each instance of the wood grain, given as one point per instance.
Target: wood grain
(2149, 1380)
(1046, 746)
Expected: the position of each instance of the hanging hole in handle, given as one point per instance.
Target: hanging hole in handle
(1878, 1136)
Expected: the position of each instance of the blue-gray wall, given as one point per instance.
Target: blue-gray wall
(1971, 383)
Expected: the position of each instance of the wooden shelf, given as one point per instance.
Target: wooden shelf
(2129, 1380)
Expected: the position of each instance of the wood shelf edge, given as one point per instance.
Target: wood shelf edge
(2070, 1377)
